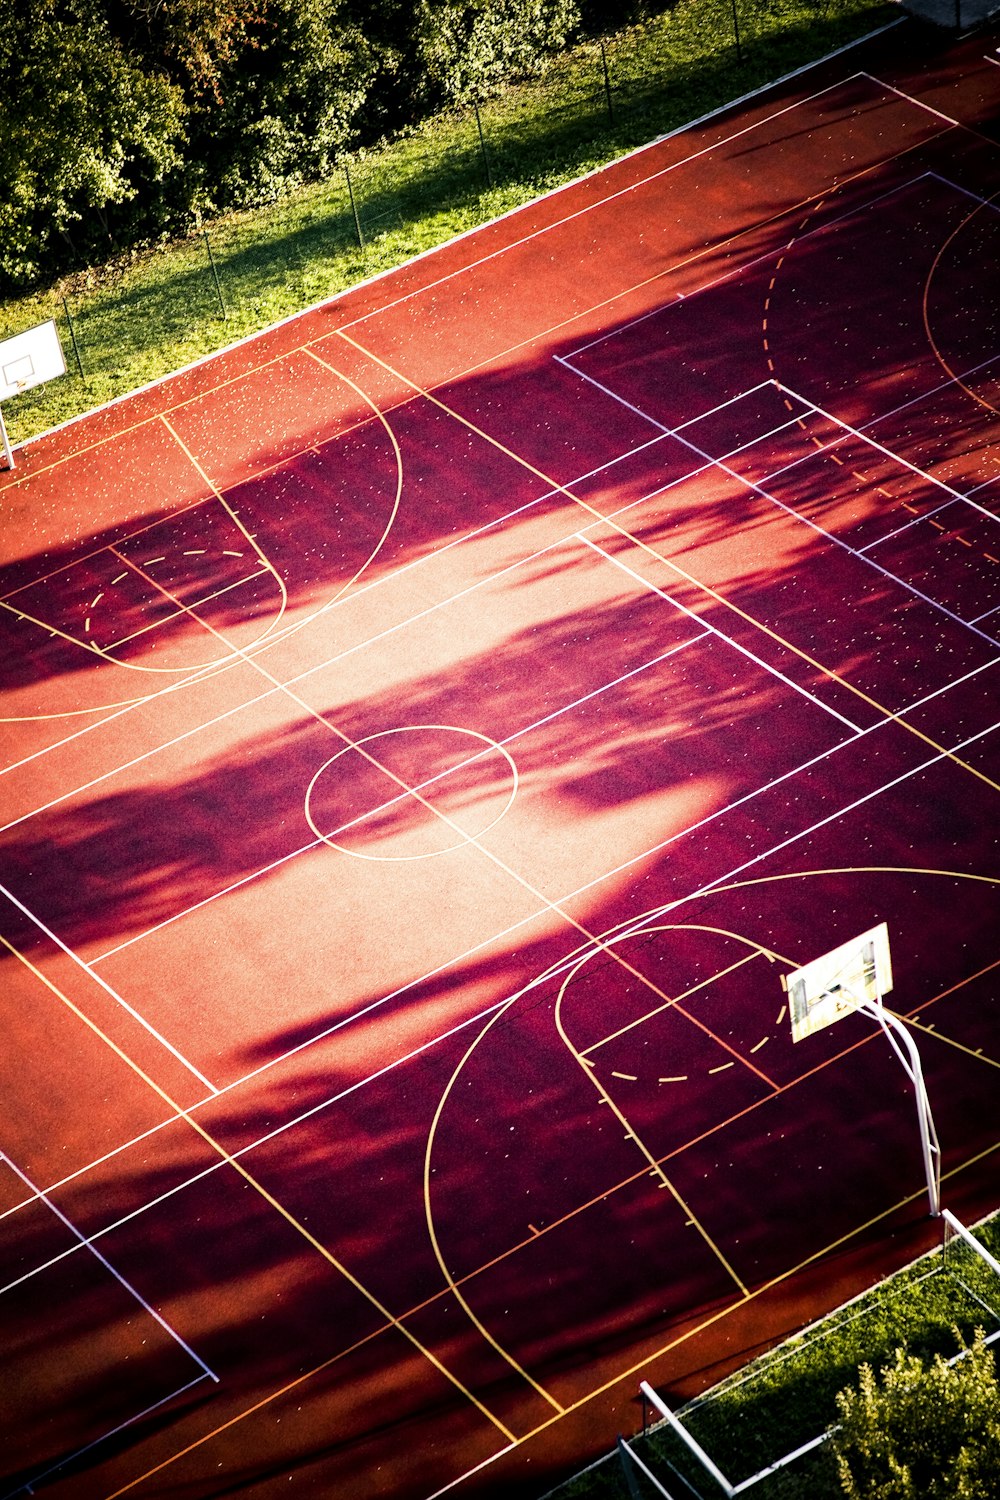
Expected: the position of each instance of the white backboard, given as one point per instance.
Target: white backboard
(29, 358)
(832, 986)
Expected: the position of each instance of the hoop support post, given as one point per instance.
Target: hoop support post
(897, 1033)
(8, 453)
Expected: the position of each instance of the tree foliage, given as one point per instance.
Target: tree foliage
(471, 47)
(142, 114)
(82, 126)
(922, 1431)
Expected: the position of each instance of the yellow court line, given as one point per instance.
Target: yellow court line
(307, 345)
(887, 714)
(609, 945)
(989, 405)
(431, 808)
(555, 1224)
(655, 1165)
(296, 1224)
(429, 1215)
(674, 1000)
(500, 864)
(760, 951)
(220, 497)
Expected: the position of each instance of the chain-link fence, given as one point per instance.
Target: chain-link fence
(148, 314)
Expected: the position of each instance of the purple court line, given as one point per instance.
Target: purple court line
(562, 966)
(88, 1244)
(28, 1487)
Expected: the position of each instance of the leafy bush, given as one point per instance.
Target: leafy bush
(922, 1431)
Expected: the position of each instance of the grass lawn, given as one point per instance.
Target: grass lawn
(147, 313)
(787, 1397)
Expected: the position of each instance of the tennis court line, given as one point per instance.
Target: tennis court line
(85, 1243)
(716, 633)
(91, 973)
(675, 567)
(758, 488)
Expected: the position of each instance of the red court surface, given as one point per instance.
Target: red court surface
(431, 729)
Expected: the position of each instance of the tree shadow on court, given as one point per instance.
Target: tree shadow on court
(112, 863)
(545, 1214)
(325, 518)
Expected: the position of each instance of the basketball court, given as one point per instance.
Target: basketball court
(435, 733)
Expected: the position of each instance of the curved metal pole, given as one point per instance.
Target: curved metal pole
(896, 1032)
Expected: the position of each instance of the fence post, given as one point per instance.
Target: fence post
(482, 143)
(630, 1479)
(354, 207)
(607, 82)
(736, 32)
(215, 274)
(76, 346)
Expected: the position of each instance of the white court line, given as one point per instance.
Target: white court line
(919, 520)
(911, 100)
(775, 253)
(210, 670)
(561, 966)
(807, 521)
(720, 635)
(379, 276)
(965, 192)
(177, 613)
(96, 1162)
(403, 797)
(84, 1242)
(830, 818)
(582, 890)
(951, 383)
(639, 922)
(206, 673)
(645, 181)
(28, 1487)
(85, 966)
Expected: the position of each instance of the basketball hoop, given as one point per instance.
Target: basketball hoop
(28, 359)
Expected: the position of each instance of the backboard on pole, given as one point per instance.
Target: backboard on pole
(29, 358)
(834, 985)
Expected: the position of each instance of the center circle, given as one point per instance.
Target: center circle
(411, 793)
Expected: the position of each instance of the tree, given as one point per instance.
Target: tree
(82, 127)
(922, 1431)
(279, 103)
(470, 48)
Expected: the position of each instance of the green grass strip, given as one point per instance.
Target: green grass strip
(151, 312)
(788, 1396)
